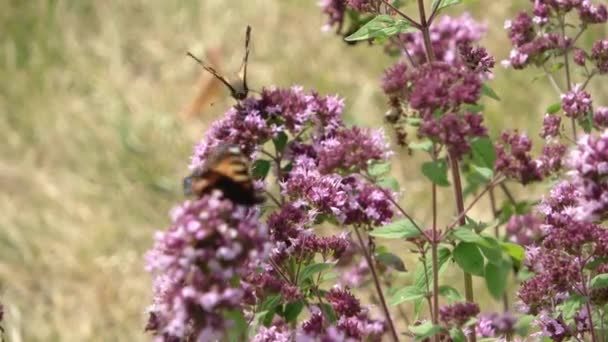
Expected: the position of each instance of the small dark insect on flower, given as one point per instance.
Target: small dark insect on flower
(227, 169)
(237, 84)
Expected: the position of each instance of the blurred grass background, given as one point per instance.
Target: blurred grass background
(94, 150)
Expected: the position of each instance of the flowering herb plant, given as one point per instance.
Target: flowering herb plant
(299, 267)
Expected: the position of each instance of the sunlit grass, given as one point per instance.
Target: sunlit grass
(94, 151)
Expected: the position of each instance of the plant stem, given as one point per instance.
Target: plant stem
(562, 23)
(434, 242)
(370, 264)
(468, 279)
(405, 16)
(505, 296)
(424, 28)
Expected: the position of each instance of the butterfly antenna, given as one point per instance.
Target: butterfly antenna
(212, 71)
(196, 59)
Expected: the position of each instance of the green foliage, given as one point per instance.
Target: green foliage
(280, 142)
(260, 168)
(401, 229)
(382, 26)
(424, 330)
(312, 269)
(406, 294)
(489, 92)
(469, 258)
(496, 278)
(391, 260)
(436, 172)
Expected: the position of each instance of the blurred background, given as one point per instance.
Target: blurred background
(100, 109)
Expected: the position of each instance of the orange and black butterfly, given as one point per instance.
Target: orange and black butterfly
(238, 83)
(227, 169)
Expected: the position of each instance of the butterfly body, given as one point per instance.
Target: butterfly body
(226, 170)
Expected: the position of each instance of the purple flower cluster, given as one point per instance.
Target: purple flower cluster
(576, 103)
(535, 37)
(436, 91)
(563, 259)
(353, 323)
(447, 36)
(589, 161)
(195, 265)
(351, 148)
(524, 229)
(551, 126)
(458, 314)
(515, 161)
(599, 53)
(253, 121)
(350, 199)
(495, 325)
(600, 118)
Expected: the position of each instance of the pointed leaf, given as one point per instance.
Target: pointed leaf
(437, 172)
(401, 229)
(469, 258)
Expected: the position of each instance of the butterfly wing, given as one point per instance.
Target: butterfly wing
(228, 171)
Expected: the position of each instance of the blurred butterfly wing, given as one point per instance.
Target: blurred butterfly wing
(220, 77)
(227, 171)
(243, 70)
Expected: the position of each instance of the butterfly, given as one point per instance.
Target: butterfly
(226, 169)
(237, 84)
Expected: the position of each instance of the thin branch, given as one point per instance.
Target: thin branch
(401, 210)
(370, 264)
(556, 87)
(461, 216)
(405, 16)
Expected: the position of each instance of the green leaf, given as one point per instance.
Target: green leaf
(523, 325)
(457, 335)
(515, 251)
(412, 121)
(406, 294)
(465, 234)
(401, 229)
(450, 293)
(491, 249)
(270, 302)
(469, 258)
(496, 278)
(381, 26)
(424, 330)
(379, 169)
(484, 153)
(554, 108)
(420, 278)
(437, 172)
(571, 306)
(280, 142)
(238, 328)
(293, 310)
(312, 269)
(389, 183)
(260, 168)
(328, 312)
(328, 276)
(424, 145)
(485, 173)
(599, 281)
(391, 260)
(489, 92)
